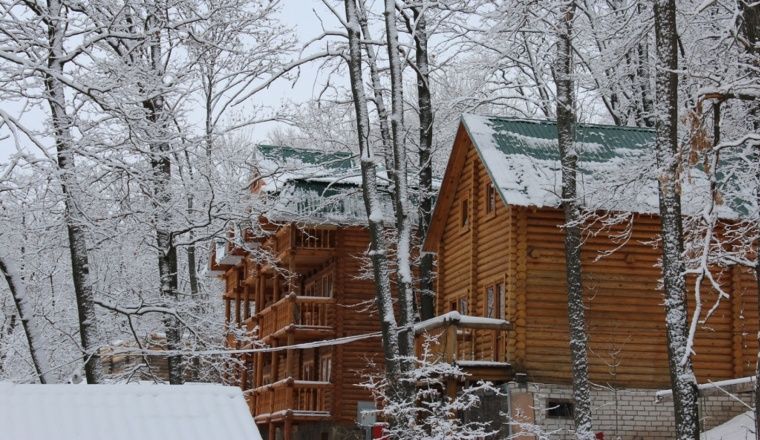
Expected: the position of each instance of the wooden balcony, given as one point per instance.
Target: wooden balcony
(293, 399)
(306, 317)
(309, 246)
(476, 344)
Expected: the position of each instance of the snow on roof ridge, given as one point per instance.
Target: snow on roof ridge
(547, 121)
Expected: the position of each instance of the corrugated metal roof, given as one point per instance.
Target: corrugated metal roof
(599, 143)
(333, 160)
(124, 412)
(617, 170)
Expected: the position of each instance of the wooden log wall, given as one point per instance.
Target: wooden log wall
(524, 247)
(354, 315)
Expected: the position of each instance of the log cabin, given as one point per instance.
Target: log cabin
(496, 232)
(295, 277)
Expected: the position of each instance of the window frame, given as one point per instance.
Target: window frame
(554, 405)
(490, 202)
(498, 287)
(464, 215)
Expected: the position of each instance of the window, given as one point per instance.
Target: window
(463, 305)
(490, 198)
(307, 370)
(464, 214)
(491, 305)
(459, 304)
(495, 300)
(325, 369)
(560, 409)
(327, 285)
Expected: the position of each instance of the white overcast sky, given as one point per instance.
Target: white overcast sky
(297, 13)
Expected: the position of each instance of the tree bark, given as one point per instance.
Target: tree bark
(425, 107)
(377, 88)
(378, 247)
(566, 120)
(61, 123)
(751, 30)
(683, 381)
(400, 191)
(161, 180)
(25, 314)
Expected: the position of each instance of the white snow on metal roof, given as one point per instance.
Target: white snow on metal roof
(616, 166)
(124, 412)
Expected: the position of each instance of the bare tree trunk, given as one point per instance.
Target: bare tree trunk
(425, 108)
(750, 17)
(683, 381)
(377, 88)
(80, 266)
(25, 314)
(6, 331)
(161, 180)
(566, 120)
(378, 246)
(645, 115)
(400, 191)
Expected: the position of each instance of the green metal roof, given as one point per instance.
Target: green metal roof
(617, 168)
(538, 139)
(334, 160)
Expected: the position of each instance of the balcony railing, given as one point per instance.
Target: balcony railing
(297, 311)
(295, 396)
(293, 238)
(459, 338)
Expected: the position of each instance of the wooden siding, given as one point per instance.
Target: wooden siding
(289, 315)
(357, 295)
(524, 247)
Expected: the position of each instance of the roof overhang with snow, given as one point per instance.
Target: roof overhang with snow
(616, 169)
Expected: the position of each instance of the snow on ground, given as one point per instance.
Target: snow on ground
(741, 427)
(124, 412)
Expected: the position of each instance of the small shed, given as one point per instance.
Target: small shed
(124, 412)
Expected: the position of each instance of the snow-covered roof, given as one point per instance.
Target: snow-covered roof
(315, 186)
(616, 167)
(457, 319)
(124, 412)
(741, 427)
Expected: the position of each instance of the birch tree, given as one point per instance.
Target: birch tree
(682, 379)
(400, 186)
(568, 153)
(378, 246)
(417, 27)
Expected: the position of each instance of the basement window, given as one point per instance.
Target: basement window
(560, 409)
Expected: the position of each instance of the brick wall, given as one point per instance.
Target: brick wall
(627, 414)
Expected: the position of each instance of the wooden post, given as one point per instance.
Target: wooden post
(260, 285)
(275, 363)
(258, 369)
(450, 349)
(440, 304)
(521, 284)
(276, 286)
(290, 358)
(237, 304)
(247, 301)
(474, 261)
(288, 434)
